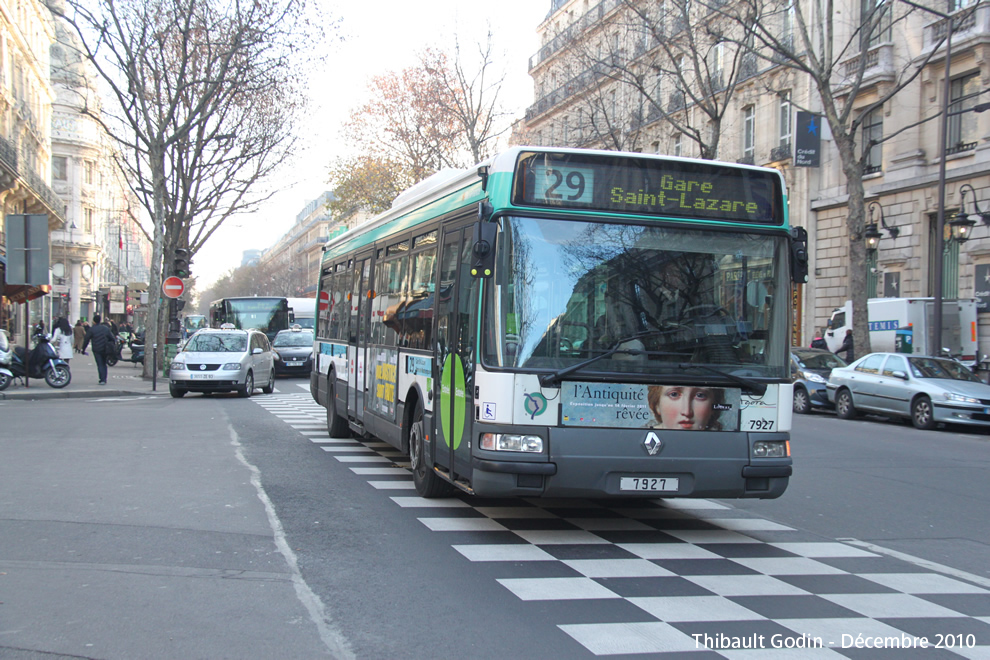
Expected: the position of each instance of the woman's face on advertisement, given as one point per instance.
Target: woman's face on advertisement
(685, 408)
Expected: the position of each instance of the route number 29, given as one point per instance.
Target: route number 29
(564, 184)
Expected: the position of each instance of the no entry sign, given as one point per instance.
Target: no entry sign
(173, 287)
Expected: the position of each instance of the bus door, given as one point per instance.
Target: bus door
(456, 311)
(360, 304)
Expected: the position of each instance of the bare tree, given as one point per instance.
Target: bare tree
(205, 98)
(813, 38)
(651, 62)
(472, 96)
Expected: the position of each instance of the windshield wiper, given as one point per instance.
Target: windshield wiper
(753, 386)
(553, 379)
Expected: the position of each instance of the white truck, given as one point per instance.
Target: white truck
(905, 325)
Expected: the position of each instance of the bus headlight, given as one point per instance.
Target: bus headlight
(771, 449)
(512, 442)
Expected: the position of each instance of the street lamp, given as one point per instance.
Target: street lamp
(872, 236)
(961, 225)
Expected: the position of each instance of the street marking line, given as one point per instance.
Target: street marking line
(918, 561)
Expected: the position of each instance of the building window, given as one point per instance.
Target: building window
(717, 62)
(59, 168)
(962, 124)
(787, 27)
(784, 121)
(88, 221)
(678, 145)
(872, 137)
(874, 23)
(749, 133)
(89, 172)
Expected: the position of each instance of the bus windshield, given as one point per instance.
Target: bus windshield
(266, 314)
(664, 300)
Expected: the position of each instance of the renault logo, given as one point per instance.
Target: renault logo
(652, 443)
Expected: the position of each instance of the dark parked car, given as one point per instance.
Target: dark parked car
(926, 390)
(293, 352)
(810, 368)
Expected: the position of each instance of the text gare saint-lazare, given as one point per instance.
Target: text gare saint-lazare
(683, 194)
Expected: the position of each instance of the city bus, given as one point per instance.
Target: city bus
(570, 323)
(268, 314)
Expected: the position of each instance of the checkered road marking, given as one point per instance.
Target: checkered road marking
(668, 576)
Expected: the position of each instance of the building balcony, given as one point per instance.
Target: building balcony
(38, 195)
(572, 87)
(593, 17)
(878, 66)
(968, 28)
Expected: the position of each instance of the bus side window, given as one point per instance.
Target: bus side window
(323, 313)
(418, 313)
(392, 303)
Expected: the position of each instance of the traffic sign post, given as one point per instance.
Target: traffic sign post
(173, 287)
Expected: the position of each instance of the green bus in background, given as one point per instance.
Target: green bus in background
(570, 323)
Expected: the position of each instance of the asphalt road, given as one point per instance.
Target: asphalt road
(924, 493)
(219, 527)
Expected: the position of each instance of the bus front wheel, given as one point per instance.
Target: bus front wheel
(427, 483)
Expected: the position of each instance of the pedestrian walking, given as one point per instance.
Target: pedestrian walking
(78, 333)
(847, 346)
(63, 338)
(103, 343)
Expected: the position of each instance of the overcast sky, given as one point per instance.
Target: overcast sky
(379, 36)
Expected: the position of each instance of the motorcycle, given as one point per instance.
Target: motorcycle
(14, 360)
(6, 375)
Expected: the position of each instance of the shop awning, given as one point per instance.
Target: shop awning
(21, 293)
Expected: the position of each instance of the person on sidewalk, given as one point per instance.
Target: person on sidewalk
(103, 343)
(847, 346)
(62, 339)
(78, 333)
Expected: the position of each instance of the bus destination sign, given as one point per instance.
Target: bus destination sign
(646, 186)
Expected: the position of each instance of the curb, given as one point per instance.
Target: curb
(40, 394)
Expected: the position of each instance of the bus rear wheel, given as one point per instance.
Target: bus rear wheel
(336, 425)
(427, 483)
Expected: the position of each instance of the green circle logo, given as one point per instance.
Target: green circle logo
(453, 402)
(535, 404)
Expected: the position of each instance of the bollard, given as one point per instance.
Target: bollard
(154, 370)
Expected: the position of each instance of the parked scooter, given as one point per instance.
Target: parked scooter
(137, 351)
(6, 355)
(54, 370)
(117, 353)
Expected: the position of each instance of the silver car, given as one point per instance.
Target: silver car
(224, 360)
(926, 390)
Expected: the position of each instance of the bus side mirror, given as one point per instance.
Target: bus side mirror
(483, 249)
(799, 255)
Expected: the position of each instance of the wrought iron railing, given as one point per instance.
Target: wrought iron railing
(783, 152)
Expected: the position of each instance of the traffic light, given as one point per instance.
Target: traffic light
(180, 267)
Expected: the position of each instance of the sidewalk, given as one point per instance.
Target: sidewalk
(122, 380)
